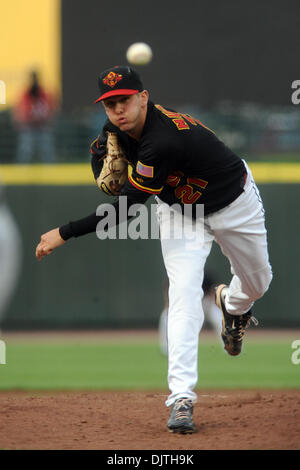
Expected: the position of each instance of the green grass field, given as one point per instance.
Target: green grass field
(109, 365)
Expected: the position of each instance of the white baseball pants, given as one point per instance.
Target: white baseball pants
(240, 231)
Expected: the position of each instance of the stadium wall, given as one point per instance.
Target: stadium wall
(118, 283)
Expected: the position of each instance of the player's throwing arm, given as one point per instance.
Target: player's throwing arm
(49, 241)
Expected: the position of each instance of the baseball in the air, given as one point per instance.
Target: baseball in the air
(139, 53)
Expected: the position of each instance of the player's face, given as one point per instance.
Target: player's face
(128, 113)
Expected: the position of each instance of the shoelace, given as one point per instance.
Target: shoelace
(182, 408)
(240, 326)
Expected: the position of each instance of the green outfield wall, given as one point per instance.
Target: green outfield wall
(118, 283)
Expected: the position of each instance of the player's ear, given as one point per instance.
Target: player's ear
(145, 96)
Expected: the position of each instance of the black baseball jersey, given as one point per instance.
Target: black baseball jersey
(178, 159)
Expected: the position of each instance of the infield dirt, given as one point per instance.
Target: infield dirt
(242, 419)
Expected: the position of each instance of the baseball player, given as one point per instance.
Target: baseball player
(176, 158)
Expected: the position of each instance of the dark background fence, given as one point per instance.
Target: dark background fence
(259, 133)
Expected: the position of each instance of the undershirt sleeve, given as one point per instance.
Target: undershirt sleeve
(89, 224)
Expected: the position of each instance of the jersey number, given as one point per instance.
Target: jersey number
(186, 192)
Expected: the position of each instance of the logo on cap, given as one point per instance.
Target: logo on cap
(112, 79)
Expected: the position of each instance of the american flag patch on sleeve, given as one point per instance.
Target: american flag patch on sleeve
(144, 170)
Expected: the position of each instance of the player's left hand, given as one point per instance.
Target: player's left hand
(49, 241)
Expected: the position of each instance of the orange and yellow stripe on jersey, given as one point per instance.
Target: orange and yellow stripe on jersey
(143, 188)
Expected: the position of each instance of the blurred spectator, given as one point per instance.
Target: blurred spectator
(212, 313)
(33, 116)
(10, 255)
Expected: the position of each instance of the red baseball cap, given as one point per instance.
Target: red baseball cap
(116, 81)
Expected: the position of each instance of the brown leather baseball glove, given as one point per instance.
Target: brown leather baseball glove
(114, 172)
